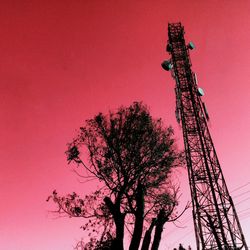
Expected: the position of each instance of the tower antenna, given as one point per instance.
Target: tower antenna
(215, 219)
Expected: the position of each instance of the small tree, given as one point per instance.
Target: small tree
(132, 155)
(182, 248)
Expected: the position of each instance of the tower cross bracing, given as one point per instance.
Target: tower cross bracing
(215, 219)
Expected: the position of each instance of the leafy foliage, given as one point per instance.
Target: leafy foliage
(132, 155)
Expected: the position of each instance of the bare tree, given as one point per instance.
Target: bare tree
(132, 155)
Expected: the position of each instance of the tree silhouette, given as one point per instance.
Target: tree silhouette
(132, 155)
(182, 248)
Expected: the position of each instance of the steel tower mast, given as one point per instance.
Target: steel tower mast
(215, 219)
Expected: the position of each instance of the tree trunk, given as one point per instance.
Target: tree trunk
(119, 219)
(147, 237)
(161, 220)
(157, 237)
(119, 224)
(139, 218)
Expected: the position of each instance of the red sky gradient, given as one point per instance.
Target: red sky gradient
(61, 62)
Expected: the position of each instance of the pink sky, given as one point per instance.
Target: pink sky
(64, 61)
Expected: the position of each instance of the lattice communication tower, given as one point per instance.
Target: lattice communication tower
(215, 219)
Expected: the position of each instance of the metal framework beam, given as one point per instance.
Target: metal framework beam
(215, 219)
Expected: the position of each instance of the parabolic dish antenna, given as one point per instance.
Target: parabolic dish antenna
(200, 92)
